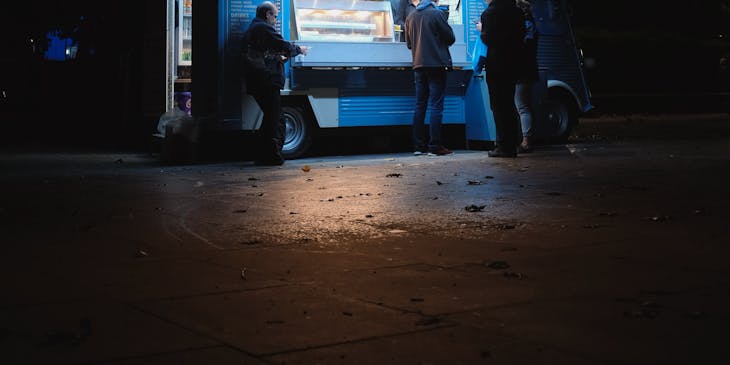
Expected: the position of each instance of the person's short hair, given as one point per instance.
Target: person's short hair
(263, 8)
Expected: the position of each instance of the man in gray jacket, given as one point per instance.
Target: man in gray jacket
(428, 36)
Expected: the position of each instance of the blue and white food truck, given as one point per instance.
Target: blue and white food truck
(358, 71)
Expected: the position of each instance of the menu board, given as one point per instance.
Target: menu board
(474, 9)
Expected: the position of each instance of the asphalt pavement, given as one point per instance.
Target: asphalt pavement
(610, 249)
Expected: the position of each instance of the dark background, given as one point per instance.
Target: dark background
(645, 56)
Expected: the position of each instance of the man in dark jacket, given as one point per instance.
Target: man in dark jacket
(264, 86)
(502, 30)
(428, 36)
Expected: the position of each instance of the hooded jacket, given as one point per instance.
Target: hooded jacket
(428, 36)
(263, 36)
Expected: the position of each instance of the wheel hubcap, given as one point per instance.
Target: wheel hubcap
(558, 118)
(294, 132)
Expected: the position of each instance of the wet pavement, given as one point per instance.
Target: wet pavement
(611, 249)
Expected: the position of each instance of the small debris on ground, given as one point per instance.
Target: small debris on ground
(473, 182)
(395, 174)
(498, 265)
(474, 208)
(306, 168)
(514, 275)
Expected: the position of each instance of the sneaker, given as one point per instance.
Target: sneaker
(498, 152)
(441, 151)
(419, 153)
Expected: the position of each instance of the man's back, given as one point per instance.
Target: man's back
(428, 36)
(503, 29)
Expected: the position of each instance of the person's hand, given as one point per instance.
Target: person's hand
(305, 49)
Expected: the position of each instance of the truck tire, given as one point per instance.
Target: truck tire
(562, 115)
(298, 134)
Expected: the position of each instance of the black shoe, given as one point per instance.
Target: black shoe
(498, 152)
(441, 151)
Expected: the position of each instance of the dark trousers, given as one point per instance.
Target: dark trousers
(506, 118)
(272, 126)
(430, 90)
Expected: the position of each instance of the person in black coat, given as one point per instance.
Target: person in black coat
(402, 11)
(502, 30)
(428, 36)
(265, 85)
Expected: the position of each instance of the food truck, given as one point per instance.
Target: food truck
(358, 70)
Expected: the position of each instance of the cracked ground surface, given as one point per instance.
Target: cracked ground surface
(610, 249)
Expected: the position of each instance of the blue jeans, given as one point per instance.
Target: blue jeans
(430, 89)
(523, 101)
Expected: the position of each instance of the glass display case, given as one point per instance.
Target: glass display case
(343, 20)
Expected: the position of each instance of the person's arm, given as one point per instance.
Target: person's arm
(278, 44)
(409, 38)
(400, 13)
(445, 31)
(487, 20)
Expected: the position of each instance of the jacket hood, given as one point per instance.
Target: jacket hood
(424, 4)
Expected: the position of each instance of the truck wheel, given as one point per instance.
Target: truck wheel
(299, 132)
(562, 115)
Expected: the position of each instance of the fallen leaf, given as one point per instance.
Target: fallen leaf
(498, 265)
(306, 168)
(474, 208)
